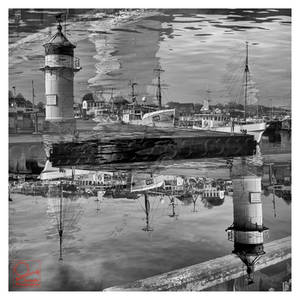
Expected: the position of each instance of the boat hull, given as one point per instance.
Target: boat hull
(161, 118)
(255, 129)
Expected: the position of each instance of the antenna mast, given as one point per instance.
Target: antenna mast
(60, 226)
(159, 87)
(246, 80)
(112, 99)
(33, 95)
(66, 16)
(59, 18)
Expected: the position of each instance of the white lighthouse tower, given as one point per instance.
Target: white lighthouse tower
(247, 230)
(60, 67)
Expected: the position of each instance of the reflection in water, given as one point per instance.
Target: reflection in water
(64, 212)
(247, 230)
(147, 209)
(173, 204)
(177, 189)
(98, 200)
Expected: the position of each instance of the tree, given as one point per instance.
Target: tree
(88, 97)
(20, 100)
(28, 103)
(40, 106)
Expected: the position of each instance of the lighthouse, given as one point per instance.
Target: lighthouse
(60, 67)
(247, 230)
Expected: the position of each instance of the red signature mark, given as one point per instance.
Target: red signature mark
(27, 273)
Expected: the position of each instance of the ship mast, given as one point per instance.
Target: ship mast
(132, 85)
(60, 225)
(246, 80)
(33, 95)
(34, 112)
(159, 87)
(147, 211)
(112, 99)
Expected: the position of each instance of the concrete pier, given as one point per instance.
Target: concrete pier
(210, 273)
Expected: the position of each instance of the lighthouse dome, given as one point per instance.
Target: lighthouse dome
(59, 44)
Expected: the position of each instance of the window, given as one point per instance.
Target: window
(51, 99)
(255, 197)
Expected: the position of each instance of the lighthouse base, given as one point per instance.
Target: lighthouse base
(60, 127)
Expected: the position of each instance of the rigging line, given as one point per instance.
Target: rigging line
(239, 95)
(237, 70)
(138, 200)
(233, 91)
(53, 210)
(152, 221)
(56, 216)
(75, 219)
(232, 87)
(164, 209)
(154, 210)
(234, 77)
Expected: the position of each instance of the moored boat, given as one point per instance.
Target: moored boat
(253, 127)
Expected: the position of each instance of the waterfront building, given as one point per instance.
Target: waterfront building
(23, 117)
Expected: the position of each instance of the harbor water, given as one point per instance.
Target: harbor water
(104, 243)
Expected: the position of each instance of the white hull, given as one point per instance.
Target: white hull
(106, 119)
(255, 129)
(161, 118)
(142, 184)
(52, 173)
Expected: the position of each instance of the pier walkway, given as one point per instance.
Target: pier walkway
(210, 273)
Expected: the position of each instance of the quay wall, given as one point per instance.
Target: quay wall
(210, 273)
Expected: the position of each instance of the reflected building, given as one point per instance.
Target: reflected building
(247, 230)
(277, 181)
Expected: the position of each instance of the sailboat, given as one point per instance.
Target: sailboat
(249, 126)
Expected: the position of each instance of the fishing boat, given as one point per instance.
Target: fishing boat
(250, 126)
(107, 114)
(146, 115)
(145, 182)
(160, 118)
